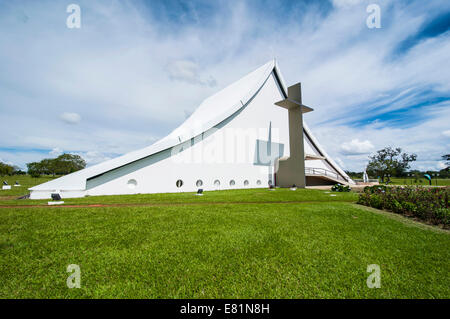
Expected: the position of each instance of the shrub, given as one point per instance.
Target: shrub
(376, 201)
(428, 204)
(340, 188)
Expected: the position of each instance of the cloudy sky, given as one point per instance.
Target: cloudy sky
(136, 69)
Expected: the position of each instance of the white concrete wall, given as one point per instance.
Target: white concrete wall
(252, 123)
(213, 157)
(63, 193)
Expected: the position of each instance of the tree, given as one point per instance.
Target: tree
(35, 169)
(6, 169)
(354, 174)
(62, 165)
(446, 158)
(389, 161)
(68, 163)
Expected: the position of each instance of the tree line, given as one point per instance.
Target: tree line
(62, 165)
(6, 169)
(393, 162)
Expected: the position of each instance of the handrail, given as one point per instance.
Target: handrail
(322, 172)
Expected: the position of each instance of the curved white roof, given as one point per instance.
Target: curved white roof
(223, 104)
(211, 112)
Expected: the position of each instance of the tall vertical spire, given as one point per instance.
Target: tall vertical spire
(291, 171)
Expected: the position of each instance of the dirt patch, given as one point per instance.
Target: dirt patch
(8, 197)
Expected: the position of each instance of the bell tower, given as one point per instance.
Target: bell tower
(291, 170)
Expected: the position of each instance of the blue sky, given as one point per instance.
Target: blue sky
(136, 69)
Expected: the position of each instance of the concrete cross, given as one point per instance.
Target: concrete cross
(291, 170)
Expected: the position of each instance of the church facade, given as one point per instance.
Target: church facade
(249, 135)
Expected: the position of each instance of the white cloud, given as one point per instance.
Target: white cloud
(70, 118)
(188, 71)
(93, 157)
(56, 152)
(21, 158)
(441, 165)
(6, 162)
(446, 133)
(345, 3)
(356, 147)
(123, 67)
(420, 139)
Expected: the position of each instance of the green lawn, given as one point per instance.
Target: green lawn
(261, 195)
(420, 181)
(25, 181)
(225, 244)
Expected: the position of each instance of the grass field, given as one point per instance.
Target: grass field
(211, 197)
(25, 181)
(420, 181)
(225, 244)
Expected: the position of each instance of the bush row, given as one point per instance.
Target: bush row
(426, 203)
(340, 188)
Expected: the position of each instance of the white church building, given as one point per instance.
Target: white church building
(251, 134)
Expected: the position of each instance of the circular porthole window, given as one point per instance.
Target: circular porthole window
(132, 184)
(232, 182)
(179, 183)
(216, 183)
(246, 183)
(199, 183)
(258, 182)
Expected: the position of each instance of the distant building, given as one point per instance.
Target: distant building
(249, 135)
